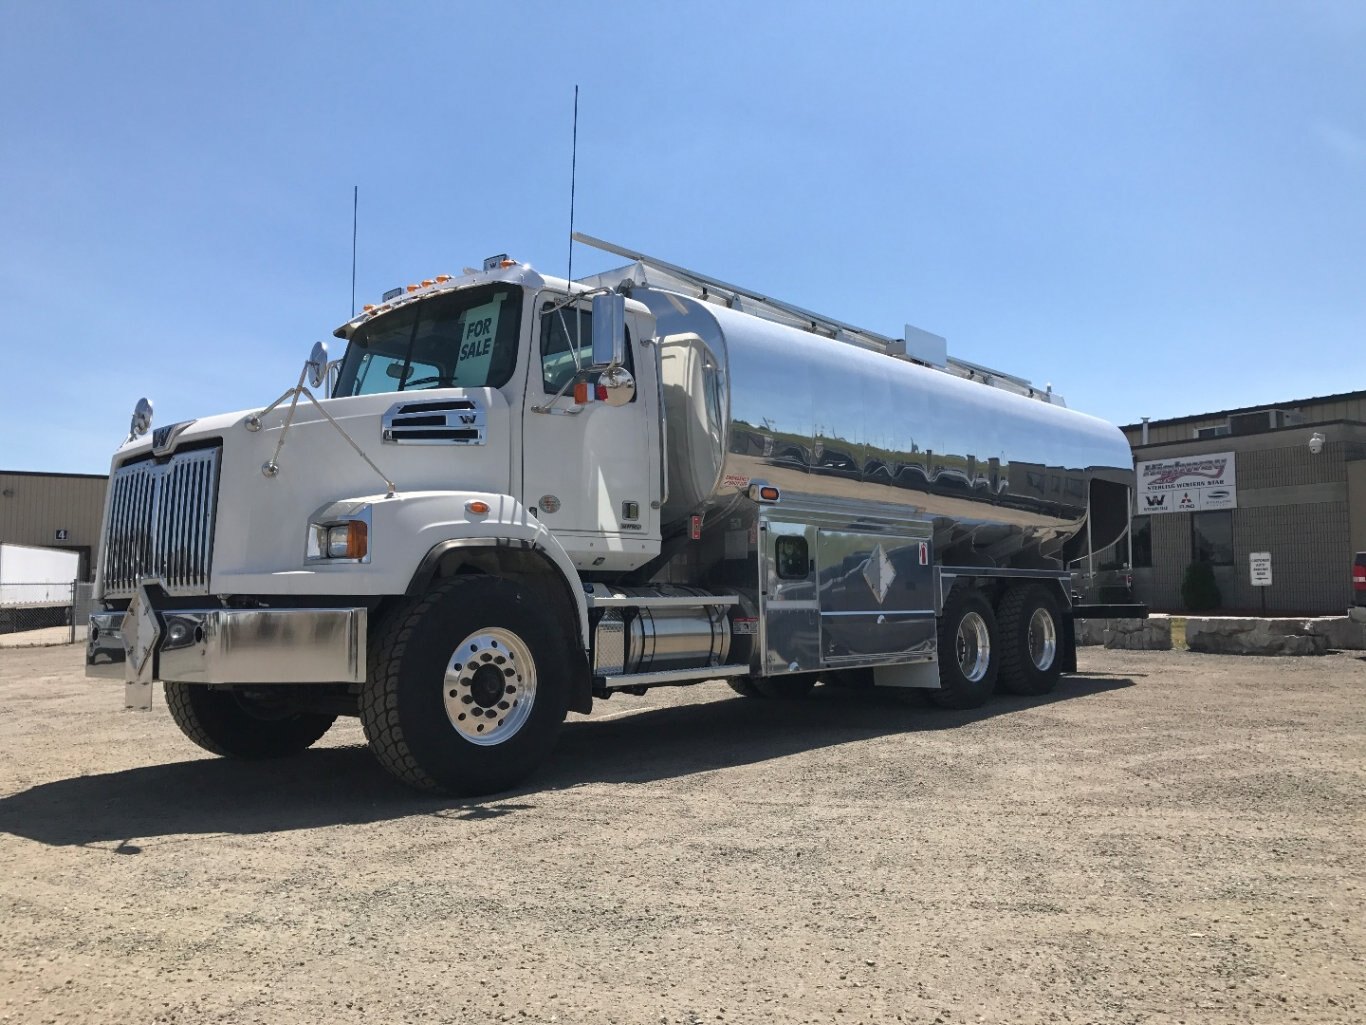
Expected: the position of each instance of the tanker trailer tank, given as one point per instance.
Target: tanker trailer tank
(1006, 480)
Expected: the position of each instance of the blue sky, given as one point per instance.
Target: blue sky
(1158, 207)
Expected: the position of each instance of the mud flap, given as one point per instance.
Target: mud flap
(1068, 655)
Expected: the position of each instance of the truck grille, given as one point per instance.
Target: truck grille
(161, 524)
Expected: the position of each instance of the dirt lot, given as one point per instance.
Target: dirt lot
(1170, 837)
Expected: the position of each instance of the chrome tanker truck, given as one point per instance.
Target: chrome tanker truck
(514, 494)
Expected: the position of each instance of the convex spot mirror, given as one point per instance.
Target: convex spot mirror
(617, 386)
(609, 331)
(317, 364)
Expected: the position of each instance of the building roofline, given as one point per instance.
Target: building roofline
(1213, 414)
(52, 473)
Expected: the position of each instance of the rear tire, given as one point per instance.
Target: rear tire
(782, 688)
(467, 687)
(235, 724)
(786, 688)
(744, 686)
(1031, 639)
(968, 653)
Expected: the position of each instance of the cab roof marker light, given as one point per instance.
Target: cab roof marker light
(428, 282)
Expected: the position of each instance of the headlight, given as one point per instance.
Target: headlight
(349, 540)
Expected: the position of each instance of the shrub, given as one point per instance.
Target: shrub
(1199, 591)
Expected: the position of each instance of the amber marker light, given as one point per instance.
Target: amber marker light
(357, 539)
(477, 507)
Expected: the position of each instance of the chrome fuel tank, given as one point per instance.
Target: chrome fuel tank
(1004, 479)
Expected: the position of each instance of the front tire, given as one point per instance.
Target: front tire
(968, 653)
(1031, 641)
(237, 724)
(467, 687)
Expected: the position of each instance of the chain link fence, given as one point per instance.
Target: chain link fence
(42, 614)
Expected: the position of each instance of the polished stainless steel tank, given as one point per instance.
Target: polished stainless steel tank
(1005, 480)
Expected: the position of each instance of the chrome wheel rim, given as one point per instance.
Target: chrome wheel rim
(490, 686)
(1043, 639)
(974, 647)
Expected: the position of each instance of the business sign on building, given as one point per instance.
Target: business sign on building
(1187, 484)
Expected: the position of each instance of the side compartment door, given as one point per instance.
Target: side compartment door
(789, 614)
(876, 595)
(590, 471)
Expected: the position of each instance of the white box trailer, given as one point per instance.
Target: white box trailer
(521, 494)
(36, 577)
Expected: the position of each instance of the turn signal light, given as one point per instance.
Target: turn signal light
(768, 494)
(477, 507)
(581, 394)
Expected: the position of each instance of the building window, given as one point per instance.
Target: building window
(1212, 537)
(1143, 542)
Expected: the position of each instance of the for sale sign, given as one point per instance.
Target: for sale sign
(1187, 484)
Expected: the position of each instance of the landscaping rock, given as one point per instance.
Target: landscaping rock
(1229, 635)
(1151, 634)
(1339, 632)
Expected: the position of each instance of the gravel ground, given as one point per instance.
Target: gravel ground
(1170, 837)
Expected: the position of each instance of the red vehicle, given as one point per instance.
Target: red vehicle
(1358, 610)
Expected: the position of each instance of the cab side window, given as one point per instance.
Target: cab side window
(567, 333)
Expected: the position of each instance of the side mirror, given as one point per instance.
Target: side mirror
(609, 331)
(317, 364)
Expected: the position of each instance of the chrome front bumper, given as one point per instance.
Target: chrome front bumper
(231, 646)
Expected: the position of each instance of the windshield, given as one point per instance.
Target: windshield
(467, 339)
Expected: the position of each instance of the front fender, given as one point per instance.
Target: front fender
(405, 528)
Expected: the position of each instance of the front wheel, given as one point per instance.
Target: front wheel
(968, 653)
(240, 724)
(466, 688)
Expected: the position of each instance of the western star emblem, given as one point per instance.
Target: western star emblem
(878, 573)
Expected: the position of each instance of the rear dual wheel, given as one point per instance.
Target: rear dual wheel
(1031, 639)
(968, 655)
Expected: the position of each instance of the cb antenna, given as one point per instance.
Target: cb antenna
(355, 215)
(573, 173)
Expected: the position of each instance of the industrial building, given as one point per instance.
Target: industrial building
(1286, 479)
(54, 510)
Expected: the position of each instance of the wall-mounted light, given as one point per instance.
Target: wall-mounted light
(1316, 443)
